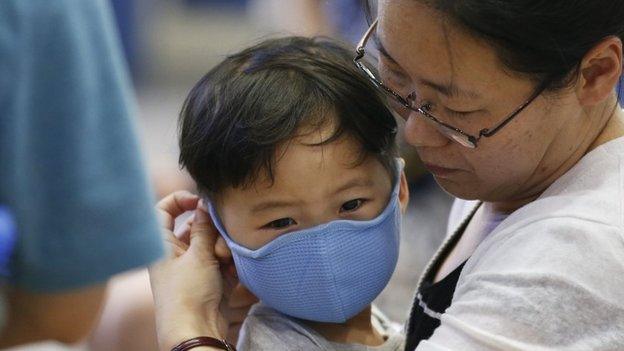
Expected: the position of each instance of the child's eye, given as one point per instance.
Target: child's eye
(352, 205)
(280, 223)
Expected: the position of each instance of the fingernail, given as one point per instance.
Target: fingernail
(202, 204)
(191, 218)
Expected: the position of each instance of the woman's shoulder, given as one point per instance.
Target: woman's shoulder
(576, 237)
(554, 254)
(590, 195)
(573, 234)
(552, 276)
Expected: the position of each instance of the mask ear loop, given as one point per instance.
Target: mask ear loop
(400, 166)
(400, 163)
(216, 220)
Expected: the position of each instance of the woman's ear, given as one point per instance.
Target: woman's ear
(403, 192)
(600, 71)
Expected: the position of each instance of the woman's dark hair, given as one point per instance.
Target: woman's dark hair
(235, 117)
(544, 40)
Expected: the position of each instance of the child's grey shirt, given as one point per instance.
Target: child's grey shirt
(266, 329)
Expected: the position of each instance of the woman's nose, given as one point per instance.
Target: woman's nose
(420, 132)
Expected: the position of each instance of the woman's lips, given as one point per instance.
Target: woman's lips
(439, 171)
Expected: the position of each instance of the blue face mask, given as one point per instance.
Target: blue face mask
(327, 273)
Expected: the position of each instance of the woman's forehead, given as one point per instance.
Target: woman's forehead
(432, 49)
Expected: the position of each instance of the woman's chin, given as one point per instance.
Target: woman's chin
(460, 188)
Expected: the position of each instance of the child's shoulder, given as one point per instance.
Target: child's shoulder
(267, 329)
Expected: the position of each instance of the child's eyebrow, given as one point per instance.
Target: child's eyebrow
(271, 204)
(353, 183)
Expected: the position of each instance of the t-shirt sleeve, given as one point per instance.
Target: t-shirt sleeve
(552, 284)
(71, 170)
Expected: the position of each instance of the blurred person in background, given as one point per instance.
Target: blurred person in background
(71, 174)
(341, 19)
(296, 17)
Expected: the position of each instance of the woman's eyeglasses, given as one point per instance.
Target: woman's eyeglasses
(410, 102)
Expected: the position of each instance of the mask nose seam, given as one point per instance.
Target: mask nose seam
(334, 285)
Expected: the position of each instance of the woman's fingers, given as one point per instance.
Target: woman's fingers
(190, 220)
(188, 283)
(178, 250)
(200, 243)
(167, 210)
(178, 202)
(183, 232)
(222, 251)
(174, 205)
(203, 234)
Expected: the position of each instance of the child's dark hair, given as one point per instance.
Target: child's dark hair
(235, 117)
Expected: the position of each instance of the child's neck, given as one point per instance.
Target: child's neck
(357, 330)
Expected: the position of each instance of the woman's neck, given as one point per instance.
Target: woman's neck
(357, 330)
(611, 127)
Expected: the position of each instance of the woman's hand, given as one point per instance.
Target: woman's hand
(194, 293)
(237, 299)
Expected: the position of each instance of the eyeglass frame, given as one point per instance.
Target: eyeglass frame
(471, 139)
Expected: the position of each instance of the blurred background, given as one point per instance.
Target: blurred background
(169, 45)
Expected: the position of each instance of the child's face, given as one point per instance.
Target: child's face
(312, 185)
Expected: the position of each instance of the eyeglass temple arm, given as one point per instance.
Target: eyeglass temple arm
(489, 132)
(362, 43)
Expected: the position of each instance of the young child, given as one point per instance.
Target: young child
(295, 152)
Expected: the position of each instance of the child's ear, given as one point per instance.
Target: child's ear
(403, 193)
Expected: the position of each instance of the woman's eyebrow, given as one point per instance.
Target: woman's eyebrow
(449, 90)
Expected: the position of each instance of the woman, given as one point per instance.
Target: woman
(512, 104)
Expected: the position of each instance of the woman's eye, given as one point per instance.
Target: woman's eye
(430, 107)
(397, 83)
(352, 205)
(280, 223)
(458, 113)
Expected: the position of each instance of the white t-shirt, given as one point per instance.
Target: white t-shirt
(550, 276)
